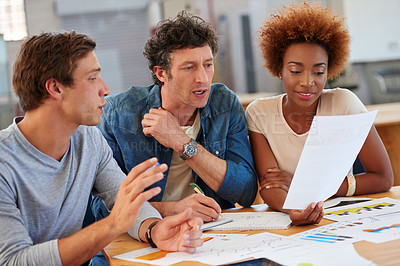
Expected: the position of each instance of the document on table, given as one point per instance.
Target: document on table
(371, 208)
(331, 148)
(219, 249)
(212, 224)
(254, 221)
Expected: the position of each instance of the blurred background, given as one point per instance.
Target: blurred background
(121, 28)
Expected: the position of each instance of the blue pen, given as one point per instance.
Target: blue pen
(157, 164)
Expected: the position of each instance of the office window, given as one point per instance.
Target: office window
(12, 19)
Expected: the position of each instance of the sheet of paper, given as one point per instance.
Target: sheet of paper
(220, 221)
(255, 221)
(287, 251)
(317, 255)
(377, 229)
(330, 234)
(217, 249)
(343, 201)
(222, 249)
(330, 150)
(371, 208)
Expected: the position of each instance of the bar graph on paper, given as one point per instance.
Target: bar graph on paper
(335, 233)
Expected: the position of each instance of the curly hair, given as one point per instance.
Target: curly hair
(183, 31)
(299, 23)
(43, 57)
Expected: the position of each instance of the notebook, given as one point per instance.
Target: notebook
(254, 221)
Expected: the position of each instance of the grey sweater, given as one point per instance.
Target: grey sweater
(42, 199)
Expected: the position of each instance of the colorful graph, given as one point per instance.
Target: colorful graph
(380, 229)
(326, 238)
(329, 234)
(161, 254)
(359, 210)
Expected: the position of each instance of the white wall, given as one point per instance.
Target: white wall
(375, 29)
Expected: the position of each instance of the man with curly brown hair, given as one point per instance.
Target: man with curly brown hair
(304, 45)
(197, 128)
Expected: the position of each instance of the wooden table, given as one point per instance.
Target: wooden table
(387, 253)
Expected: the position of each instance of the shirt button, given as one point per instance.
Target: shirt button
(216, 152)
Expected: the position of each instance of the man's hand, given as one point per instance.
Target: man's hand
(178, 233)
(276, 178)
(202, 206)
(312, 215)
(165, 128)
(131, 197)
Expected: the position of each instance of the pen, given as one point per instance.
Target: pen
(198, 190)
(157, 164)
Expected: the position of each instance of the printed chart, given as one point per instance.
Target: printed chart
(371, 208)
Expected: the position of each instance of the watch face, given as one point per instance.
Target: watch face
(191, 150)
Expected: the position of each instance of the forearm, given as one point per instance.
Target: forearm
(83, 245)
(210, 168)
(378, 176)
(366, 183)
(274, 198)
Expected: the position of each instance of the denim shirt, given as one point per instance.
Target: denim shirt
(223, 133)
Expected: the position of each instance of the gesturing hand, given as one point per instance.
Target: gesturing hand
(276, 178)
(131, 197)
(179, 232)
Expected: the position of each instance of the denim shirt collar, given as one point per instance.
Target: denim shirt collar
(154, 97)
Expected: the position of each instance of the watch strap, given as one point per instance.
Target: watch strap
(184, 155)
(148, 234)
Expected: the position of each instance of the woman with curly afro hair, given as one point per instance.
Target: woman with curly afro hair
(304, 45)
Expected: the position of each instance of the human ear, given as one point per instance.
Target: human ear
(160, 72)
(53, 88)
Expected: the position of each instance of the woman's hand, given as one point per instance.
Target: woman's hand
(312, 215)
(276, 178)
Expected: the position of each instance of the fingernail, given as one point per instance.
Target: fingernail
(187, 240)
(267, 187)
(160, 175)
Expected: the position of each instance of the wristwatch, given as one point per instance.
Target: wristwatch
(189, 150)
